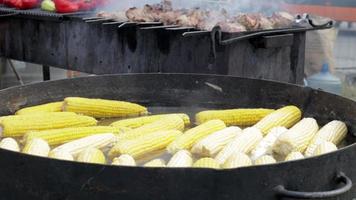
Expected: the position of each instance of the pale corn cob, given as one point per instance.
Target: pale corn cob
(265, 147)
(100, 108)
(238, 159)
(99, 141)
(140, 121)
(294, 156)
(233, 117)
(37, 147)
(212, 144)
(324, 147)
(182, 158)
(61, 155)
(244, 143)
(124, 160)
(206, 163)
(155, 163)
(286, 117)
(265, 160)
(92, 155)
(335, 131)
(9, 144)
(151, 156)
(48, 107)
(144, 145)
(172, 122)
(20, 124)
(296, 138)
(61, 136)
(190, 137)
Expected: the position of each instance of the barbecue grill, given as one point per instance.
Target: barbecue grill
(330, 175)
(81, 42)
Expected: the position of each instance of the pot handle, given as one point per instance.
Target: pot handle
(341, 177)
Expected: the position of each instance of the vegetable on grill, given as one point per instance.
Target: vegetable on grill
(9, 144)
(265, 147)
(206, 163)
(92, 155)
(296, 138)
(18, 125)
(101, 108)
(286, 117)
(140, 121)
(182, 158)
(61, 136)
(155, 163)
(324, 147)
(193, 135)
(244, 143)
(233, 117)
(172, 122)
(99, 141)
(238, 159)
(61, 155)
(265, 160)
(146, 144)
(212, 144)
(44, 108)
(334, 131)
(295, 155)
(37, 147)
(124, 160)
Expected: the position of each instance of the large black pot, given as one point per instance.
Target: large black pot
(28, 177)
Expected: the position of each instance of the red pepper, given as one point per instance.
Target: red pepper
(21, 4)
(66, 6)
(87, 4)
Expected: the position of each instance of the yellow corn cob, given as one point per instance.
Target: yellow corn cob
(212, 144)
(286, 117)
(334, 131)
(9, 144)
(238, 159)
(172, 122)
(244, 143)
(265, 147)
(100, 108)
(182, 158)
(48, 107)
(144, 145)
(140, 121)
(206, 163)
(37, 147)
(124, 160)
(233, 117)
(296, 138)
(20, 124)
(324, 147)
(61, 155)
(294, 156)
(99, 141)
(92, 155)
(190, 137)
(155, 163)
(61, 136)
(265, 160)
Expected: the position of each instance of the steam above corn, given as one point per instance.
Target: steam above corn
(72, 130)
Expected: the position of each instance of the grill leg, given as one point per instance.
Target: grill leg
(46, 73)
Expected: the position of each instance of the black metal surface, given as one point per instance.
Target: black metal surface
(341, 177)
(46, 72)
(28, 177)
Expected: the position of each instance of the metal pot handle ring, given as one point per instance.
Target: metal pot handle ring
(341, 177)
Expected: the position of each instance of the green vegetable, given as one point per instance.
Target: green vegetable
(48, 5)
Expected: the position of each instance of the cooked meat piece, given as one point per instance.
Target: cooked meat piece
(191, 19)
(137, 15)
(254, 21)
(231, 27)
(119, 16)
(265, 23)
(282, 19)
(170, 17)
